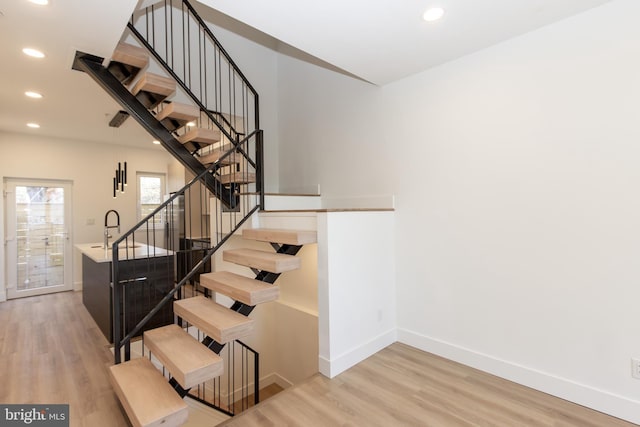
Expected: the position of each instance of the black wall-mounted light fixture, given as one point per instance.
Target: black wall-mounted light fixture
(120, 179)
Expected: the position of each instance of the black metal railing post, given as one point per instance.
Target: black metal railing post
(260, 168)
(256, 381)
(116, 297)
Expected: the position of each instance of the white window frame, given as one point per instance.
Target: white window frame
(163, 191)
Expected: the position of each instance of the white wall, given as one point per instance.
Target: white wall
(515, 178)
(91, 167)
(286, 330)
(356, 287)
(331, 133)
(259, 65)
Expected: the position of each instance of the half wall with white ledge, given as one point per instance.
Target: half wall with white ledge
(356, 309)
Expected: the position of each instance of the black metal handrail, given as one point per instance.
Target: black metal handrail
(165, 28)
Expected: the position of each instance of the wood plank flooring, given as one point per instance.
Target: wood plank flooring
(51, 351)
(402, 386)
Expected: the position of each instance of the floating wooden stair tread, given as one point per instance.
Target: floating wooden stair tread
(241, 288)
(151, 89)
(129, 54)
(238, 178)
(269, 261)
(127, 61)
(146, 396)
(201, 135)
(216, 321)
(175, 115)
(214, 155)
(273, 235)
(188, 361)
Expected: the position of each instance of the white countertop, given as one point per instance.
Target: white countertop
(98, 253)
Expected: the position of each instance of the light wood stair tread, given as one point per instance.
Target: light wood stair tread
(179, 111)
(214, 155)
(238, 178)
(135, 56)
(201, 136)
(269, 261)
(127, 61)
(146, 396)
(156, 84)
(241, 288)
(274, 235)
(218, 322)
(188, 361)
(151, 89)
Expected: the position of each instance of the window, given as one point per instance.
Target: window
(151, 192)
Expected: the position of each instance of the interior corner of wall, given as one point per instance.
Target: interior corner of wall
(324, 367)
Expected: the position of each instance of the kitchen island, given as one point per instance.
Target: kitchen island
(147, 273)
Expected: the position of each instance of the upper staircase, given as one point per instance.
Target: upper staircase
(181, 85)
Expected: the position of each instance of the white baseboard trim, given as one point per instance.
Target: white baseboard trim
(333, 367)
(582, 394)
(3, 295)
(77, 286)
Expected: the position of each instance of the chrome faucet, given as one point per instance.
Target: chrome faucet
(107, 226)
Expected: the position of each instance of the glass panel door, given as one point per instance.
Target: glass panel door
(39, 246)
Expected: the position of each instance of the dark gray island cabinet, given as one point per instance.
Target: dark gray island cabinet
(147, 275)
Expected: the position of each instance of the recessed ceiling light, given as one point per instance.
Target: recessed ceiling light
(33, 52)
(156, 142)
(34, 95)
(433, 14)
(191, 124)
(40, 2)
(33, 125)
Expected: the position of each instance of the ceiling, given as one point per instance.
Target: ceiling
(379, 41)
(73, 106)
(382, 41)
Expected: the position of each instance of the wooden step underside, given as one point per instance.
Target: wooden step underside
(238, 178)
(146, 396)
(127, 61)
(288, 237)
(214, 155)
(269, 261)
(188, 361)
(176, 115)
(216, 321)
(201, 136)
(151, 89)
(241, 288)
